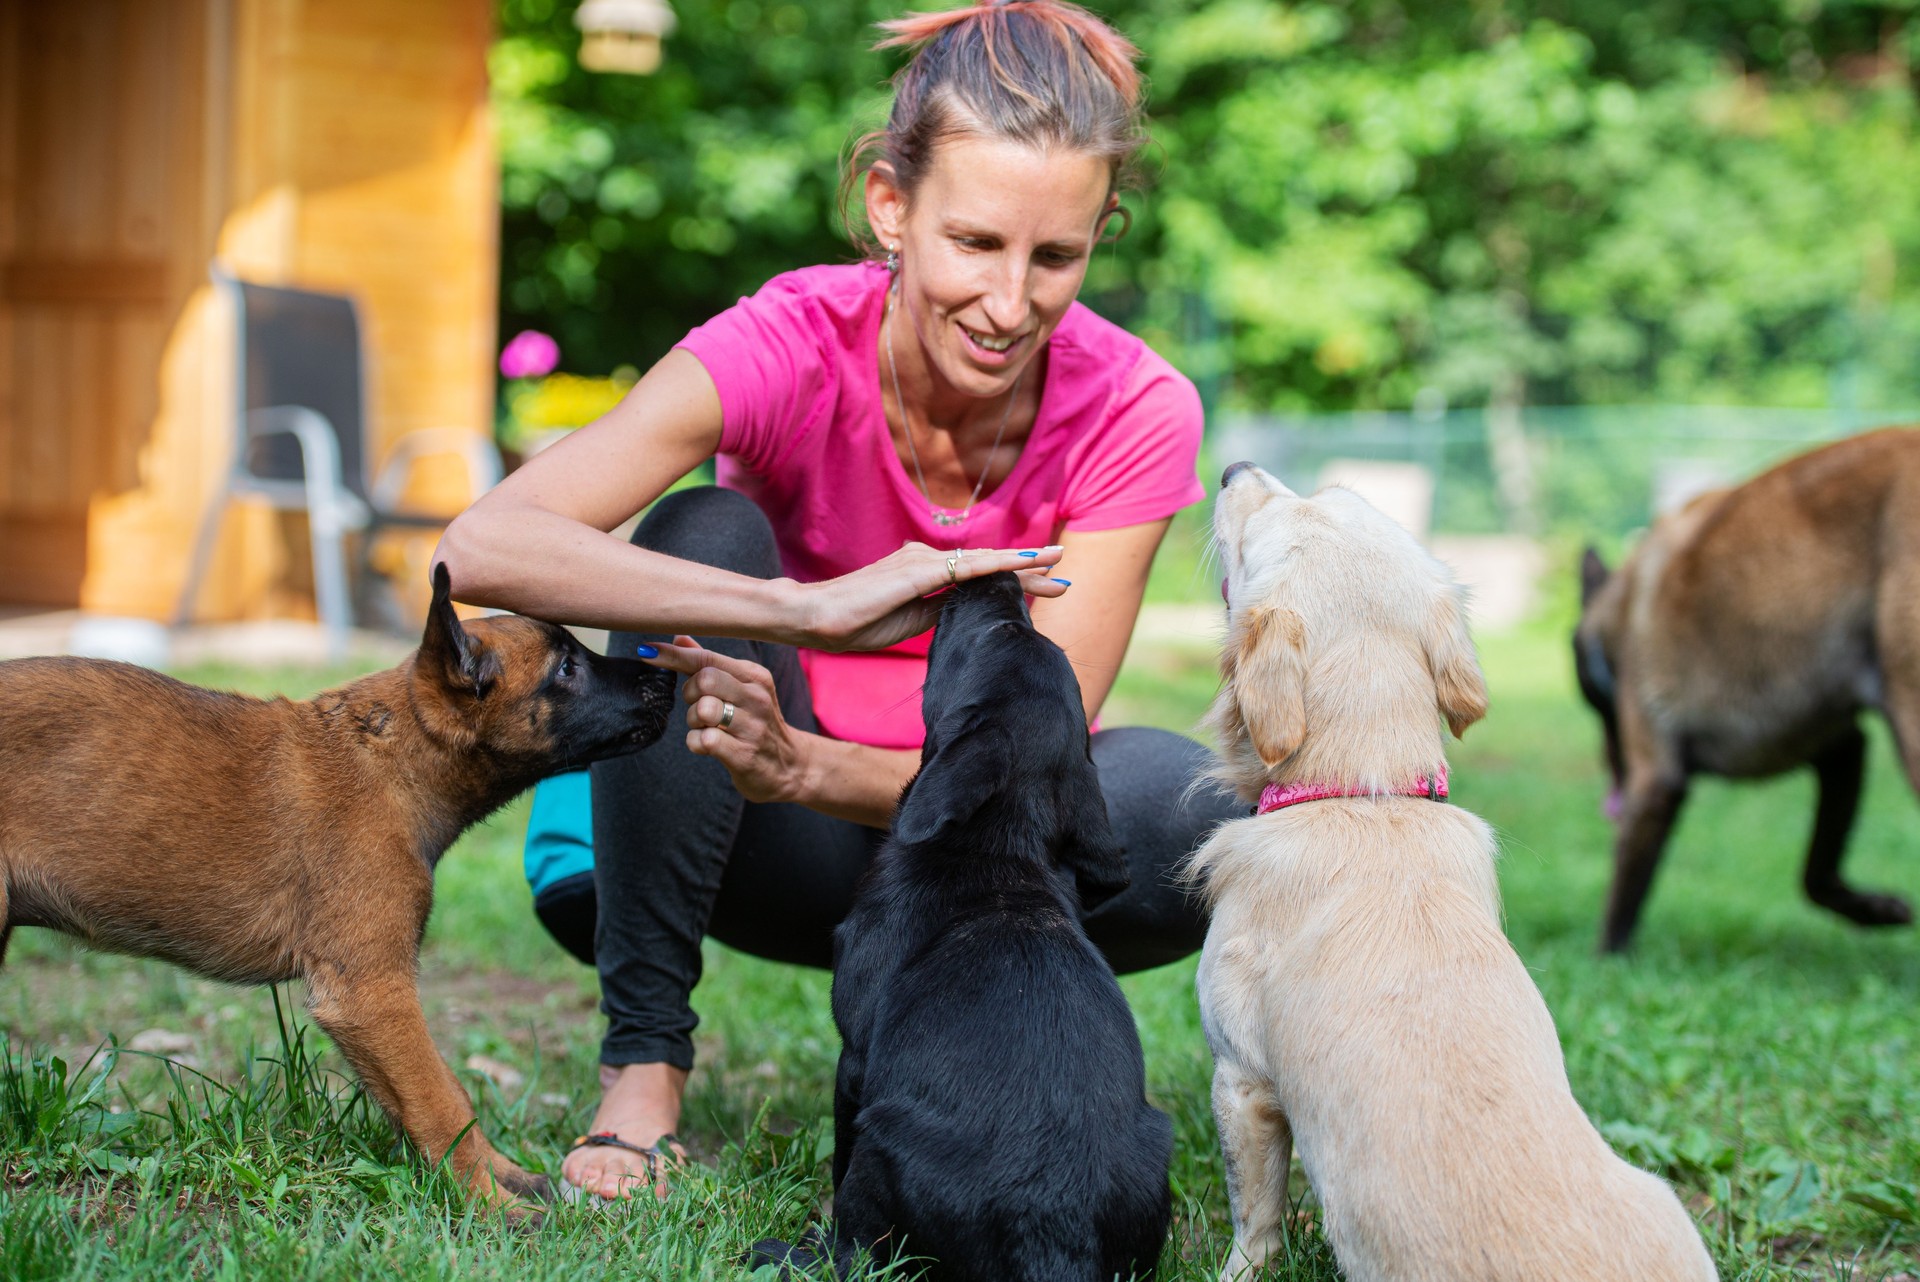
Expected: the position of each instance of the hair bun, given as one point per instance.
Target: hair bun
(1043, 72)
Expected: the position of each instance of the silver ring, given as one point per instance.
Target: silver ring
(726, 714)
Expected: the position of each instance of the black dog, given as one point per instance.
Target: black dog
(990, 1111)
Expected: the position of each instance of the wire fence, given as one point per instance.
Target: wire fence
(1593, 472)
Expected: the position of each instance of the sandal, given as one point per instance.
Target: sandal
(656, 1154)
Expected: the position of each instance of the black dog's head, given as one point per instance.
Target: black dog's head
(1007, 764)
(530, 695)
(1594, 661)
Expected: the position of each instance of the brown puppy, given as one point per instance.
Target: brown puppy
(1743, 637)
(1362, 1003)
(259, 841)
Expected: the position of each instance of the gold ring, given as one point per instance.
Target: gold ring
(726, 714)
(952, 562)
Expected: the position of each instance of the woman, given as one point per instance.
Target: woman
(883, 430)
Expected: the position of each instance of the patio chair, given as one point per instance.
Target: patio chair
(302, 441)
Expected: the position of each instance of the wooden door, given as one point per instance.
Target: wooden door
(104, 236)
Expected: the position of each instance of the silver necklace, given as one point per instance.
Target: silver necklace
(943, 516)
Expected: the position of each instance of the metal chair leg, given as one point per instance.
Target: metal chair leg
(331, 511)
(330, 593)
(203, 543)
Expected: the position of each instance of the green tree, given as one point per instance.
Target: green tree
(635, 207)
(1511, 200)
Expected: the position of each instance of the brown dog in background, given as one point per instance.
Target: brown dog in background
(258, 841)
(1744, 637)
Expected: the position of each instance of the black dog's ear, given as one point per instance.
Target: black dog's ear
(447, 648)
(1086, 846)
(1593, 574)
(953, 784)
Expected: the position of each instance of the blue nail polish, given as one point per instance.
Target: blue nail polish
(647, 651)
(1029, 554)
(1065, 583)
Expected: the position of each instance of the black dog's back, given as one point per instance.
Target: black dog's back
(1001, 1127)
(990, 1112)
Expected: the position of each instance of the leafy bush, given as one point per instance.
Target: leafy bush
(1538, 201)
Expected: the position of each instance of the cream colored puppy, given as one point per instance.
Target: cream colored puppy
(1360, 998)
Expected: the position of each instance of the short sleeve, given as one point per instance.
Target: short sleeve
(766, 359)
(1142, 465)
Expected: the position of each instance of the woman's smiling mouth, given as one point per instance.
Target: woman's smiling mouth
(987, 345)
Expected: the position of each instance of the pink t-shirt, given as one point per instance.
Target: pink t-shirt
(804, 435)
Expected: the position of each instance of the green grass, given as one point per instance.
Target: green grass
(1755, 1050)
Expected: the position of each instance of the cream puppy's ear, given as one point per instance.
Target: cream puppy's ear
(1458, 687)
(1265, 681)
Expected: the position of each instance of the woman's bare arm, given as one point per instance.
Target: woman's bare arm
(538, 543)
(1095, 621)
(1093, 624)
(771, 761)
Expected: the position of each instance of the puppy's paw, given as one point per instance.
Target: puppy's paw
(1882, 910)
(792, 1261)
(521, 1195)
(523, 1184)
(1866, 908)
(524, 1215)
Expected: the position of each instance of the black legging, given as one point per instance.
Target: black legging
(679, 854)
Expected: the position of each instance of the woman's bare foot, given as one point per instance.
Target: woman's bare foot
(639, 1103)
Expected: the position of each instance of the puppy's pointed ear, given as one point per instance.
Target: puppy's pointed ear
(1593, 575)
(1086, 845)
(1265, 689)
(448, 649)
(1458, 687)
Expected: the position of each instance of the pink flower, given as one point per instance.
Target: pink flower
(530, 354)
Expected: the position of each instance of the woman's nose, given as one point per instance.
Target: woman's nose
(1007, 303)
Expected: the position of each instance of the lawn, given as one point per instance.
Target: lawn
(1755, 1050)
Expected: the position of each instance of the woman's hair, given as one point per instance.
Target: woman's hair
(1042, 72)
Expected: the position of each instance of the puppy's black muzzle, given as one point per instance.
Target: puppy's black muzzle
(624, 710)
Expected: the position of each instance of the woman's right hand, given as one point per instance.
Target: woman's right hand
(888, 601)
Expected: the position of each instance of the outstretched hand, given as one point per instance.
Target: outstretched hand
(890, 600)
(733, 716)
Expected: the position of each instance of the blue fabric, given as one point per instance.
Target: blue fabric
(560, 830)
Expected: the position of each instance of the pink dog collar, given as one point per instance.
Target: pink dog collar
(1277, 796)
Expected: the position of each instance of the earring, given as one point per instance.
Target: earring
(893, 260)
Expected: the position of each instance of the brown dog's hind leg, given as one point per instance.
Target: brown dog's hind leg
(1840, 768)
(377, 1023)
(1257, 1144)
(1649, 805)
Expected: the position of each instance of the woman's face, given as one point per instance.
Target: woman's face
(993, 248)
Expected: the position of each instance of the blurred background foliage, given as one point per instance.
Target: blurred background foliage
(1350, 205)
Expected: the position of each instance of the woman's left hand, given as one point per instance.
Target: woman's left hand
(765, 756)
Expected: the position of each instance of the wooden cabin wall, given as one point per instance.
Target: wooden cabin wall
(334, 144)
(104, 232)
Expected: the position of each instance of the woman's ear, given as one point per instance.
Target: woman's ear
(886, 205)
(1264, 694)
(1458, 687)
